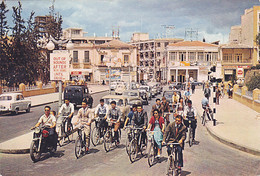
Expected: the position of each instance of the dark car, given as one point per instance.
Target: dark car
(176, 85)
(168, 95)
(77, 93)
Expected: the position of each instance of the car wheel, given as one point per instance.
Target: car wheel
(28, 109)
(15, 112)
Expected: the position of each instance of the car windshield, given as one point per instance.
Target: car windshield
(119, 102)
(144, 88)
(131, 94)
(168, 95)
(5, 98)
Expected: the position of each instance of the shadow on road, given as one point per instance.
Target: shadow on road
(184, 173)
(93, 150)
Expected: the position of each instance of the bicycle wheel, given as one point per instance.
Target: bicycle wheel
(78, 147)
(127, 145)
(95, 136)
(70, 132)
(133, 150)
(170, 166)
(61, 139)
(203, 118)
(190, 136)
(107, 141)
(151, 155)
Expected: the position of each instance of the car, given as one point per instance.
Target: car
(134, 95)
(14, 102)
(120, 89)
(121, 102)
(177, 85)
(77, 93)
(113, 86)
(147, 89)
(168, 95)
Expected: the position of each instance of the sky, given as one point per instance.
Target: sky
(210, 19)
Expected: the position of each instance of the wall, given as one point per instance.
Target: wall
(39, 91)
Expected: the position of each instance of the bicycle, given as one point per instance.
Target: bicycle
(166, 116)
(172, 162)
(65, 131)
(190, 132)
(129, 138)
(205, 113)
(136, 144)
(80, 143)
(152, 150)
(108, 137)
(97, 132)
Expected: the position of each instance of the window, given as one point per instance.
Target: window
(227, 57)
(182, 56)
(76, 32)
(214, 57)
(86, 60)
(102, 58)
(159, 45)
(192, 56)
(126, 58)
(200, 56)
(208, 57)
(238, 57)
(75, 57)
(166, 44)
(173, 56)
(158, 54)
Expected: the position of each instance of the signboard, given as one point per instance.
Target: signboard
(240, 72)
(115, 74)
(59, 66)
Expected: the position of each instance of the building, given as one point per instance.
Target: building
(152, 64)
(190, 60)
(84, 53)
(41, 24)
(117, 60)
(242, 51)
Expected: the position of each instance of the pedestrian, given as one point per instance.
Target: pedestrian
(193, 88)
(207, 92)
(203, 85)
(218, 94)
(230, 92)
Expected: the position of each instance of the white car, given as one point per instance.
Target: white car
(14, 102)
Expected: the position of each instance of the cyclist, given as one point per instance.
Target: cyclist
(165, 109)
(130, 115)
(49, 121)
(85, 118)
(140, 120)
(67, 109)
(101, 111)
(158, 106)
(175, 99)
(180, 107)
(205, 105)
(156, 124)
(207, 91)
(187, 95)
(176, 132)
(190, 114)
(115, 114)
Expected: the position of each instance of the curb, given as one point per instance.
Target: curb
(233, 144)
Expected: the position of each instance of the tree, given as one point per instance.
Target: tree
(254, 82)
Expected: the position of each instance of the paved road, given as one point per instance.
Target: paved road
(15, 125)
(208, 157)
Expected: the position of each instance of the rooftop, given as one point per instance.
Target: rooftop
(115, 44)
(192, 43)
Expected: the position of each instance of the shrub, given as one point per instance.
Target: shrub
(254, 82)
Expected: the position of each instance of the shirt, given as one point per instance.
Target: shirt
(114, 114)
(190, 112)
(84, 115)
(175, 99)
(102, 109)
(66, 110)
(47, 121)
(204, 101)
(187, 93)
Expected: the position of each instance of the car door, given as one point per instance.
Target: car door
(23, 104)
(17, 102)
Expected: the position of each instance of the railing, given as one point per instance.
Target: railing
(235, 61)
(10, 89)
(239, 91)
(249, 94)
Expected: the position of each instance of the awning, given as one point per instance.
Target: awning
(75, 72)
(228, 72)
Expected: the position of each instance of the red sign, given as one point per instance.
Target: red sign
(76, 73)
(240, 72)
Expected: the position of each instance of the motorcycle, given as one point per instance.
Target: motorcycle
(42, 143)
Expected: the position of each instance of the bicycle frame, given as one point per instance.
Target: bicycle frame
(173, 158)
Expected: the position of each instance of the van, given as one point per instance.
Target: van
(77, 93)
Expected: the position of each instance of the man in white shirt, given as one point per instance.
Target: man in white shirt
(190, 113)
(67, 109)
(101, 111)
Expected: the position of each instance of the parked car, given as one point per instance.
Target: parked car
(168, 95)
(77, 93)
(177, 85)
(121, 102)
(14, 102)
(120, 89)
(134, 97)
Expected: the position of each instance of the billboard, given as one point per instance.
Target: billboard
(115, 74)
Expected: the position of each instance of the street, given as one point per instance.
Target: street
(206, 157)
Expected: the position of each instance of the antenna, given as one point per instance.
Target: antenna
(52, 8)
(191, 34)
(115, 32)
(168, 30)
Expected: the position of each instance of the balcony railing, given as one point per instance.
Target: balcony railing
(235, 61)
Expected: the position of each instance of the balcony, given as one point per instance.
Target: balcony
(87, 65)
(75, 65)
(232, 62)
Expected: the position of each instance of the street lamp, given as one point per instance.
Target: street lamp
(50, 46)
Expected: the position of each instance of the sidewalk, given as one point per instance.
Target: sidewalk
(237, 125)
(21, 144)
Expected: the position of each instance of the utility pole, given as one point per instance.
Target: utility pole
(168, 30)
(191, 34)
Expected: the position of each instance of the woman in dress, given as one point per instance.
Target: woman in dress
(157, 125)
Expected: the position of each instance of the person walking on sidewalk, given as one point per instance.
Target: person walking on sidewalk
(190, 114)
(207, 92)
(67, 109)
(176, 132)
(85, 118)
(193, 87)
(218, 94)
